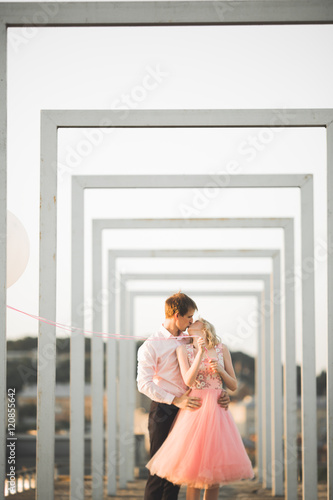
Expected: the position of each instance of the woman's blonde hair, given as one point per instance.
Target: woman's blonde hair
(211, 338)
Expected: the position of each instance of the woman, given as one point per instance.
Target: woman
(204, 448)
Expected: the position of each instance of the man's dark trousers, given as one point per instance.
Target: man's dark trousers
(161, 417)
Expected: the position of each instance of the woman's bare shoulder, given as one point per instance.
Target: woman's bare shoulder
(225, 350)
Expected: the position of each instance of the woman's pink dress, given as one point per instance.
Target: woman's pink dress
(204, 446)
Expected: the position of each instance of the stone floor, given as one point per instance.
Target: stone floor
(244, 490)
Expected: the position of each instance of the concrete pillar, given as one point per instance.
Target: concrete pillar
(3, 249)
(46, 369)
(77, 347)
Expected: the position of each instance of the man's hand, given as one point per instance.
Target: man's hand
(224, 400)
(186, 402)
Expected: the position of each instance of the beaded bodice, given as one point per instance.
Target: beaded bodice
(206, 379)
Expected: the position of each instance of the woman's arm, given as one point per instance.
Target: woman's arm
(227, 373)
(189, 373)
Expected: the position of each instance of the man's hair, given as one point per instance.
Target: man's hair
(179, 303)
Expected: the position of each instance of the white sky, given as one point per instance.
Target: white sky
(198, 67)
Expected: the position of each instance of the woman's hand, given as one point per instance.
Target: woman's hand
(201, 345)
(215, 366)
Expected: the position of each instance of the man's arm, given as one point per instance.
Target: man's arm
(147, 365)
(185, 401)
(146, 370)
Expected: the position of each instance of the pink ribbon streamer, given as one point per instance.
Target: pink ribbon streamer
(72, 329)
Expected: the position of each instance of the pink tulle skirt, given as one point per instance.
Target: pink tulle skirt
(203, 448)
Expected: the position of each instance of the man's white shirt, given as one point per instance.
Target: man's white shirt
(159, 375)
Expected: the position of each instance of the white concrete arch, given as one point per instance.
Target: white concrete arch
(269, 435)
(51, 120)
(304, 183)
(130, 297)
(254, 12)
(290, 368)
(274, 254)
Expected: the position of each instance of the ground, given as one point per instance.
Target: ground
(243, 490)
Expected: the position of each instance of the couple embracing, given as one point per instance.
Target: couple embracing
(193, 438)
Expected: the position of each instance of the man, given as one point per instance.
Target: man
(160, 379)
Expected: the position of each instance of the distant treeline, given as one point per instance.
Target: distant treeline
(22, 370)
(30, 343)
